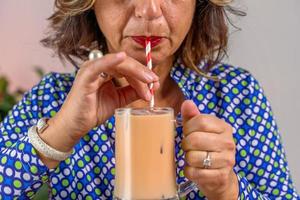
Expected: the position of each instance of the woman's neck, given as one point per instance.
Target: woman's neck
(165, 81)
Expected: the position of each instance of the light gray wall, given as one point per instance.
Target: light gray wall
(22, 25)
(269, 47)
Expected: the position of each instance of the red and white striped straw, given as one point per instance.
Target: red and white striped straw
(149, 65)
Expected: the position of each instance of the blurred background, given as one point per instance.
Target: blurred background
(267, 46)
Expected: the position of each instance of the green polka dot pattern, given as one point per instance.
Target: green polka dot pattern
(89, 173)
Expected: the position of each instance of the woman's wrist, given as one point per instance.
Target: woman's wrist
(56, 136)
(51, 164)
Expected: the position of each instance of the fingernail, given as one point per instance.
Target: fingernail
(149, 77)
(120, 55)
(155, 77)
(158, 84)
(148, 95)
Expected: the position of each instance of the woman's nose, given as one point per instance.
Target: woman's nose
(148, 9)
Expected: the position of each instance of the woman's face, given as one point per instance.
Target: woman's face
(126, 23)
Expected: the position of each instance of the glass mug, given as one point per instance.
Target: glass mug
(145, 155)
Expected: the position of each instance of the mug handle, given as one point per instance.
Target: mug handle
(185, 188)
(188, 186)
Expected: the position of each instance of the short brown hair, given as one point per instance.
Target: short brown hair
(75, 31)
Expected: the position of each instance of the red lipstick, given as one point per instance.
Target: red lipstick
(155, 40)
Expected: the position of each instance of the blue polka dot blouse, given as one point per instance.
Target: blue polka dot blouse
(89, 172)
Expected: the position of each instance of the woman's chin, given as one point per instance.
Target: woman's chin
(140, 56)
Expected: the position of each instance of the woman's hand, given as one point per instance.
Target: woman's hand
(207, 133)
(93, 99)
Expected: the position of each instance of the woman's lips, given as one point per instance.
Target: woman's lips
(155, 40)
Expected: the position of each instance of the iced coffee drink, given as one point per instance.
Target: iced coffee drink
(145, 165)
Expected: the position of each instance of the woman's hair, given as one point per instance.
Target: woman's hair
(75, 31)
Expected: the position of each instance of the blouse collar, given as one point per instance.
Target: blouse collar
(185, 77)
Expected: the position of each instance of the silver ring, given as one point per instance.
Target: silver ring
(207, 161)
(104, 75)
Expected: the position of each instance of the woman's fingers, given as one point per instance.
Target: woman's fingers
(127, 95)
(203, 141)
(206, 123)
(141, 88)
(91, 69)
(128, 67)
(132, 68)
(218, 160)
(207, 177)
(119, 65)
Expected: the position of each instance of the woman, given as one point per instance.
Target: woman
(231, 147)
